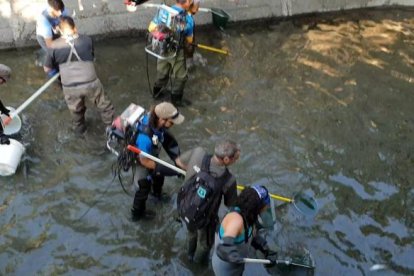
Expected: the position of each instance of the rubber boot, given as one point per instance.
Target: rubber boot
(78, 122)
(192, 246)
(138, 210)
(157, 183)
(177, 99)
(156, 92)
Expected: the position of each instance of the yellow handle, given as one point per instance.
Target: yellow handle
(224, 52)
(281, 198)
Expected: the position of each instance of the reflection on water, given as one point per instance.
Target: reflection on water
(319, 104)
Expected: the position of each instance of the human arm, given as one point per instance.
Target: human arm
(48, 42)
(260, 243)
(227, 250)
(170, 145)
(144, 144)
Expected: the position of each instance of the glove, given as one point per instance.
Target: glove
(271, 256)
(4, 110)
(4, 140)
(260, 243)
(161, 170)
(51, 73)
(170, 145)
(227, 251)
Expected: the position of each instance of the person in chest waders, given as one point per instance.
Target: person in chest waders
(152, 135)
(73, 54)
(47, 24)
(237, 233)
(5, 72)
(175, 68)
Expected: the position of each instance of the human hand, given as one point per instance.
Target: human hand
(7, 120)
(4, 140)
(271, 256)
(51, 73)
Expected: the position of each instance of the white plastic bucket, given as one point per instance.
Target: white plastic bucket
(14, 126)
(10, 156)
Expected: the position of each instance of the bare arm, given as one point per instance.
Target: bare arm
(48, 42)
(232, 225)
(147, 163)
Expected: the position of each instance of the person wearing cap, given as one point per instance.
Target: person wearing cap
(226, 153)
(237, 233)
(73, 55)
(174, 69)
(153, 135)
(5, 72)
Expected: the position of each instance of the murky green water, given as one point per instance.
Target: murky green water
(322, 105)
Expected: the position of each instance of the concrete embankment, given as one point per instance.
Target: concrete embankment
(109, 17)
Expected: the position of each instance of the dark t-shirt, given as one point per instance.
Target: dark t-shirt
(194, 158)
(59, 52)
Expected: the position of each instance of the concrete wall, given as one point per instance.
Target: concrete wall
(106, 17)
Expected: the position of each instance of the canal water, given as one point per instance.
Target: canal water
(321, 105)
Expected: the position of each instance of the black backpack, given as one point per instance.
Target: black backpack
(199, 195)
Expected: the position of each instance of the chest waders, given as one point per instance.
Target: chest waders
(76, 72)
(171, 67)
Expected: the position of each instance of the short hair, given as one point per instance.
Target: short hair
(182, 2)
(226, 148)
(250, 205)
(67, 21)
(56, 4)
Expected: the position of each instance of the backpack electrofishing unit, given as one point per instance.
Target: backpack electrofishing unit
(123, 132)
(166, 33)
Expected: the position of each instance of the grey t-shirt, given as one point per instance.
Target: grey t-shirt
(194, 158)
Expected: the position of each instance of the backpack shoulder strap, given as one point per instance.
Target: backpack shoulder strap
(205, 164)
(246, 228)
(72, 51)
(145, 128)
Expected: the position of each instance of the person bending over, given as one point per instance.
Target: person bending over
(236, 233)
(73, 55)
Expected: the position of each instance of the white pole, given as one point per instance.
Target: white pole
(155, 159)
(34, 96)
(256, 261)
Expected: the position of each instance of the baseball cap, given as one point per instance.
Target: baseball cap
(166, 110)
(263, 194)
(5, 72)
